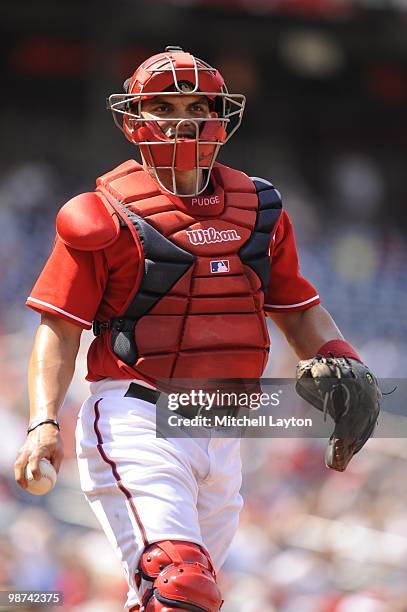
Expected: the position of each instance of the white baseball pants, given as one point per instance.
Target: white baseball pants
(144, 489)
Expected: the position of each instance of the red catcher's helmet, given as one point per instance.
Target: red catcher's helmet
(176, 72)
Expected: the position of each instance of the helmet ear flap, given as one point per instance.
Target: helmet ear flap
(130, 125)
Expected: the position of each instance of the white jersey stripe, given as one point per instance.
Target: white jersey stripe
(67, 314)
(316, 297)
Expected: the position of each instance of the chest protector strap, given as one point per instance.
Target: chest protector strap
(255, 253)
(164, 264)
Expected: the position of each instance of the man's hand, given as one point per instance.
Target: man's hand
(43, 443)
(346, 390)
(51, 368)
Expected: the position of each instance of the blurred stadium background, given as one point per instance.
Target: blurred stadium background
(326, 82)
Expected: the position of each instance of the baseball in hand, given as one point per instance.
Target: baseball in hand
(47, 480)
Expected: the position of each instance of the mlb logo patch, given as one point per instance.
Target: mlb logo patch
(221, 265)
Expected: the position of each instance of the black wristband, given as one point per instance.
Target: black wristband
(36, 424)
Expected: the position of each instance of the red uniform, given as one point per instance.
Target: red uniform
(213, 312)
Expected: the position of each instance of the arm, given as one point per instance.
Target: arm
(307, 330)
(51, 368)
(332, 377)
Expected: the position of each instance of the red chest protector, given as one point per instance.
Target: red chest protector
(197, 310)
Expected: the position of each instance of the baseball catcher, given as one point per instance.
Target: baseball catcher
(347, 391)
(175, 263)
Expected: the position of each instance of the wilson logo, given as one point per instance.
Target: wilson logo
(211, 235)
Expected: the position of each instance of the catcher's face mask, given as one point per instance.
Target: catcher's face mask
(194, 143)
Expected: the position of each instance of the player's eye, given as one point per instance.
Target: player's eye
(161, 108)
(198, 108)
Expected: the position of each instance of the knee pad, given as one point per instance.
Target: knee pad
(180, 576)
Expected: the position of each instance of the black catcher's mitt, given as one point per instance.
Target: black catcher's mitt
(346, 390)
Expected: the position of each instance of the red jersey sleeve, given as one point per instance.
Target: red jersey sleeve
(71, 284)
(287, 289)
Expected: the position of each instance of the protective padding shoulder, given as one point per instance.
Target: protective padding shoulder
(88, 223)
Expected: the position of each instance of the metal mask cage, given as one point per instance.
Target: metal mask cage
(229, 107)
(122, 107)
(232, 108)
